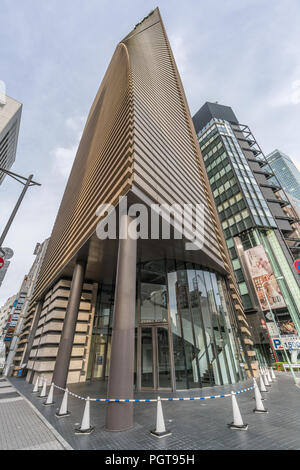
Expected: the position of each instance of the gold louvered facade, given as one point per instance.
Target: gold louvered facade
(139, 140)
(102, 170)
(139, 132)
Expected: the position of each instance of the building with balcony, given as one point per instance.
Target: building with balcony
(258, 221)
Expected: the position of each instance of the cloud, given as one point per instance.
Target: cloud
(290, 95)
(295, 95)
(75, 123)
(180, 52)
(63, 157)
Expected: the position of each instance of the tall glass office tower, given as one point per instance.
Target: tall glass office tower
(256, 225)
(286, 172)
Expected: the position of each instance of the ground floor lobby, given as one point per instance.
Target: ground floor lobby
(194, 424)
(185, 334)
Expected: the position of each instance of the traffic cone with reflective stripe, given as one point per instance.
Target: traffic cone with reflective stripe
(160, 430)
(237, 422)
(85, 427)
(259, 407)
(49, 400)
(63, 410)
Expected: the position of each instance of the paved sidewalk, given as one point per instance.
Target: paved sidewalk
(194, 424)
(21, 426)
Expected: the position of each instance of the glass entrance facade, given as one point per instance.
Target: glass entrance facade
(185, 329)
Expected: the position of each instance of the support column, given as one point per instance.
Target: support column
(62, 362)
(119, 416)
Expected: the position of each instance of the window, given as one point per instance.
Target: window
(236, 264)
(243, 288)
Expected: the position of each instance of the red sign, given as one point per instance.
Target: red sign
(1, 262)
(297, 265)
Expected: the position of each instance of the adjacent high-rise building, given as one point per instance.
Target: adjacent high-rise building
(20, 325)
(260, 227)
(5, 315)
(10, 116)
(285, 171)
(149, 313)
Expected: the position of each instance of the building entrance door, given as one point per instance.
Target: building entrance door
(154, 365)
(98, 359)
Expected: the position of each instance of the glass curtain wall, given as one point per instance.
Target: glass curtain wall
(205, 350)
(184, 331)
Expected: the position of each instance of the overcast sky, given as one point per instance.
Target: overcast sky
(53, 55)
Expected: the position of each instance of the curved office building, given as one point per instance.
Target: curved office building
(147, 312)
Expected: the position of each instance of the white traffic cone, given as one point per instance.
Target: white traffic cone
(272, 374)
(269, 376)
(262, 384)
(36, 386)
(63, 410)
(43, 393)
(259, 407)
(160, 430)
(85, 427)
(41, 381)
(49, 400)
(266, 380)
(237, 422)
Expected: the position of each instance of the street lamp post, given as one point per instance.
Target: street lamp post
(27, 182)
(276, 326)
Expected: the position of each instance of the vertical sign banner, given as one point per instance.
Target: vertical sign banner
(262, 274)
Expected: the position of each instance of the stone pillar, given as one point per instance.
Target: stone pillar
(36, 319)
(119, 416)
(62, 362)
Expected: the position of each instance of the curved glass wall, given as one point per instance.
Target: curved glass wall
(185, 332)
(205, 351)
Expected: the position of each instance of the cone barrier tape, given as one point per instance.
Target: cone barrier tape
(36, 386)
(151, 400)
(49, 400)
(63, 410)
(273, 374)
(85, 427)
(259, 407)
(43, 393)
(237, 422)
(160, 429)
